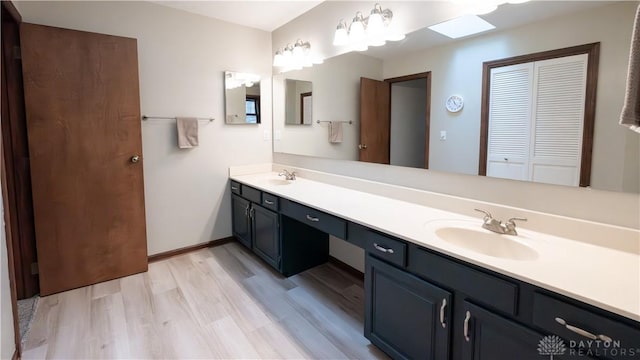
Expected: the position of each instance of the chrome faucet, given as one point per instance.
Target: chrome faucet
(497, 226)
(288, 175)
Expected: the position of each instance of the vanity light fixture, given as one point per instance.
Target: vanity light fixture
(295, 57)
(373, 30)
(236, 79)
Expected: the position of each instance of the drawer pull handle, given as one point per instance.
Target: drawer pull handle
(268, 202)
(383, 249)
(311, 218)
(234, 188)
(444, 305)
(582, 332)
(466, 326)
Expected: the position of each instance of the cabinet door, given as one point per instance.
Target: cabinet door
(488, 336)
(266, 235)
(406, 317)
(240, 216)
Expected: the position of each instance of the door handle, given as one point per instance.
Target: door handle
(466, 326)
(444, 305)
(583, 332)
(311, 218)
(383, 249)
(362, 146)
(135, 159)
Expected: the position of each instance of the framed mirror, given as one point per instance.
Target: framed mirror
(453, 138)
(241, 98)
(299, 102)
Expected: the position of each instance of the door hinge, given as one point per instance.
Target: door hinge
(17, 53)
(34, 268)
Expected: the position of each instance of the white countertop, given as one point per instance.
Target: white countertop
(600, 276)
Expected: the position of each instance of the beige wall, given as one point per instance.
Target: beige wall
(336, 85)
(7, 340)
(457, 69)
(182, 59)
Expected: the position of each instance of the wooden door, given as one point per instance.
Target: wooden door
(240, 220)
(406, 317)
(83, 122)
(375, 123)
(16, 157)
(266, 235)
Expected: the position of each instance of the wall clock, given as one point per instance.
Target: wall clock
(454, 103)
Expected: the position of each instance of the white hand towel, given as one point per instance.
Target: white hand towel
(187, 132)
(631, 110)
(335, 132)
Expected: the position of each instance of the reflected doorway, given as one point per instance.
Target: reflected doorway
(394, 120)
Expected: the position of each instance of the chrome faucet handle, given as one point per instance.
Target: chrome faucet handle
(510, 225)
(487, 215)
(513, 220)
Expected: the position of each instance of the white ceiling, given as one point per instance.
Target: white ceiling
(263, 15)
(507, 16)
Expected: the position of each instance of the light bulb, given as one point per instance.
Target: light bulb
(278, 60)
(341, 37)
(375, 27)
(357, 33)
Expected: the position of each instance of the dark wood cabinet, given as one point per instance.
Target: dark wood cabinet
(422, 304)
(406, 316)
(488, 336)
(266, 235)
(241, 223)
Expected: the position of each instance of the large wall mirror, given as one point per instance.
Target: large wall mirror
(241, 98)
(442, 115)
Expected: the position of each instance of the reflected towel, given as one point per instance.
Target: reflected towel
(187, 132)
(631, 111)
(335, 132)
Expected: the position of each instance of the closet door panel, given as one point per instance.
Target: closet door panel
(510, 121)
(558, 119)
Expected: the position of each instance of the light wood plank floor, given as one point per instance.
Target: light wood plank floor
(221, 302)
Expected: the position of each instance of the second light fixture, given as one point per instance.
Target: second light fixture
(373, 30)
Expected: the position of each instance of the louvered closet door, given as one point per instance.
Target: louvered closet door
(558, 120)
(510, 121)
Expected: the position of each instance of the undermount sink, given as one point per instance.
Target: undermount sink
(278, 182)
(483, 242)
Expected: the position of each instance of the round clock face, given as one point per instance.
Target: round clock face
(454, 103)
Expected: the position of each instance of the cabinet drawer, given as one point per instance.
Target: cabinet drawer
(250, 194)
(490, 290)
(385, 247)
(548, 311)
(317, 219)
(270, 201)
(235, 187)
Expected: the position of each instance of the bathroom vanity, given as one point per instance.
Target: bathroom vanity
(432, 294)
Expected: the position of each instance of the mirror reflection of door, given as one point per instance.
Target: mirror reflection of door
(298, 103)
(306, 109)
(394, 120)
(538, 123)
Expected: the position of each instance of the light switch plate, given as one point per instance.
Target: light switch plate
(266, 135)
(443, 135)
(277, 135)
